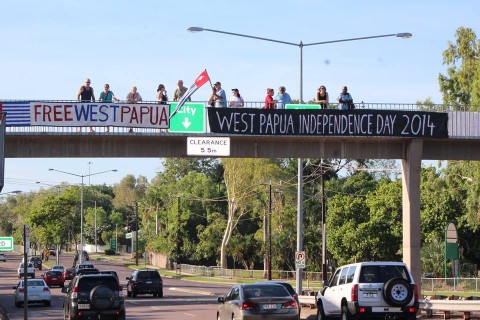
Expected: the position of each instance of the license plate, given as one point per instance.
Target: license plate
(148, 282)
(269, 306)
(33, 296)
(370, 295)
(54, 279)
(83, 306)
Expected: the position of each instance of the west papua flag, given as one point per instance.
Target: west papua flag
(200, 81)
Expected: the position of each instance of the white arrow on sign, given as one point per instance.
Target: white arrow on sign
(186, 123)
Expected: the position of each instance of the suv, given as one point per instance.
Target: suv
(145, 281)
(369, 290)
(30, 270)
(94, 296)
(37, 262)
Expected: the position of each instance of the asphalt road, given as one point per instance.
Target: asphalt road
(182, 299)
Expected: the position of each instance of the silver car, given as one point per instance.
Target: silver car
(258, 301)
(37, 290)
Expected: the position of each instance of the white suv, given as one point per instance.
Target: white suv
(30, 270)
(369, 290)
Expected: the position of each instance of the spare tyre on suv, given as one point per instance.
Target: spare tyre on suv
(145, 281)
(369, 290)
(94, 296)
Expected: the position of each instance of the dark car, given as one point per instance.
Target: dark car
(54, 278)
(86, 257)
(145, 282)
(69, 273)
(87, 271)
(94, 296)
(37, 262)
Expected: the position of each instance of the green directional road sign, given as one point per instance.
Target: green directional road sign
(128, 235)
(113, 244)
(6, 243)
(302, 106)
(189, 119)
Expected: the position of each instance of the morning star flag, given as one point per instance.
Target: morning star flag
(200, 81)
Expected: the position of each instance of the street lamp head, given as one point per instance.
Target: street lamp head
(114, 170)
(403, 35)
(195, 29)
(16, 191)
(50, 169)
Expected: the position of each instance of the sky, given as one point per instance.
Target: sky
(49, 48)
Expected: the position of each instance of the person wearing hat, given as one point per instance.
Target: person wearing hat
(218, 99)
(236, 101)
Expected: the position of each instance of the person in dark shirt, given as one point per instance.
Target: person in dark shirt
(85, 94)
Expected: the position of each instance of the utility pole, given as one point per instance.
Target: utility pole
(136, 233)
(324, 225)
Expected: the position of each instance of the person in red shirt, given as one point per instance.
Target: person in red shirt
(269, 102)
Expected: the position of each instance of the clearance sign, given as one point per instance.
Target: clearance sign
(100, 114)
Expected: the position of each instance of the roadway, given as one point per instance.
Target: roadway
(182, 299)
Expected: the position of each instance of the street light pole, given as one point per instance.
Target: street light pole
(95, 227)
(300, 45)
(80, 254)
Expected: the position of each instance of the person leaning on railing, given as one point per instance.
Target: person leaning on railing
(322, 97)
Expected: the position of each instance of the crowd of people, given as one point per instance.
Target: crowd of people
(218, 98)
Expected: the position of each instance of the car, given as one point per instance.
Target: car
(58, 268)
(30, 270)
(369, 290)
(37, 262)
(258, 301)
(94, 296)
(69, 273)
(3, 257)
(52, 251)
(83, 266)
(37, 290)
(145, 281)
(86, 257)
(54, 278)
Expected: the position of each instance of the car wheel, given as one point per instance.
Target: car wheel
(18, 304)
(320, 312)
(397, 292)
(32, 276)
(134, 293)
(155, 295)
(160, 294)
(101, 297)
(129, 293)
(47, 303)
(346, 315)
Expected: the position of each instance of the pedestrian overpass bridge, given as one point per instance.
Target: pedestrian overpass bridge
(376, 131)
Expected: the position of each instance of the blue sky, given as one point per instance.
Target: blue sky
(50, 47)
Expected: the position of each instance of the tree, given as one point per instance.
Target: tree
(461, 85)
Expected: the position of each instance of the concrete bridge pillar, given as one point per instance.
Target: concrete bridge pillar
(411, 170)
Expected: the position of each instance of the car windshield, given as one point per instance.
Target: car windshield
(381, 274)
(53, 273)
(34, 283)
(88, 283)
(148, 275)
(254, 291)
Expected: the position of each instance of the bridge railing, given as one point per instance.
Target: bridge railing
(462, 122)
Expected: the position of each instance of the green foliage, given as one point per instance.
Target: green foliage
(109, 252)
(461, 85)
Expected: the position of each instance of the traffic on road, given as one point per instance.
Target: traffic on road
(177, 298)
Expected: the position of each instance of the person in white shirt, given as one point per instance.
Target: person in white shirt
(236, 101)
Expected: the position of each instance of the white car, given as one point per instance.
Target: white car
(30, 270)
(37, 290)
(381, 290)
(58, 268)
(3, 257)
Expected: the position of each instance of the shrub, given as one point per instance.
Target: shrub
(109, 252)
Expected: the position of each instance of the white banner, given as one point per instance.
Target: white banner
(97, 114)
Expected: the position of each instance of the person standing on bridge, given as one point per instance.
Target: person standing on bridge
(322, 97)
(269, 102)
(218, 99)
(85, 94)
(107, 96)
(180, 91)
(345, 99)
(282, 97)
(236, 101)
(133, 97)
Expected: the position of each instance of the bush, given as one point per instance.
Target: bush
(109, 252)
